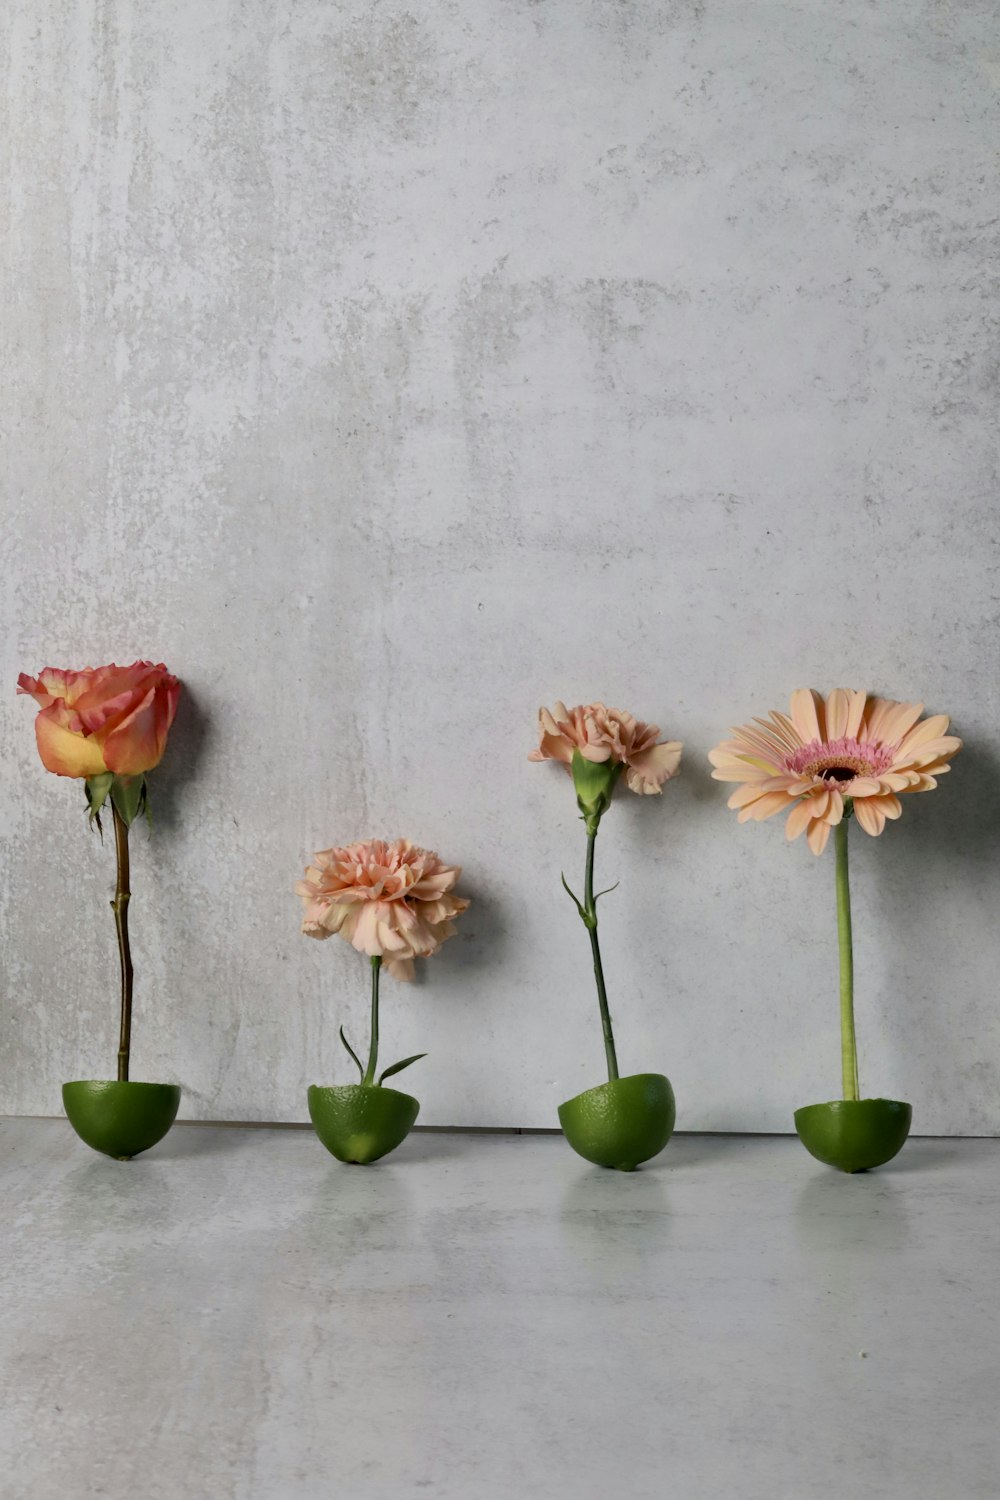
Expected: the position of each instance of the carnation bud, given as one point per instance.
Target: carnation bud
(594, 781)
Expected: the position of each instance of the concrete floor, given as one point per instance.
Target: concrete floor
(236, 1316)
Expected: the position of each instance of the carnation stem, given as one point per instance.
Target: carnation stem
(848, 1041)
(369, 1078)
(120, 908)
(590, 921)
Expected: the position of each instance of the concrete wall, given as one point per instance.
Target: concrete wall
(389, 370)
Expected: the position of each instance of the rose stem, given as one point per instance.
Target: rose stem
(590, 920)
(120, 908)
(848, 1041)
(369, 1077)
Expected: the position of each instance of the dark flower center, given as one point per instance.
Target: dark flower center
(838, 773)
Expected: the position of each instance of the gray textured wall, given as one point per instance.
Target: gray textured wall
(390, 370)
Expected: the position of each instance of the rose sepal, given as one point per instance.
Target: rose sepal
(128, 794)
(97, 789)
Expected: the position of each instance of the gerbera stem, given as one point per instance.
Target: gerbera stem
(369, 1078)
(848, 1040)
(590, 921)
(120, 908)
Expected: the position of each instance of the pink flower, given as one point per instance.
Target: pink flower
(607, 734)
(849, 750)
(390, 900)
(102, 719)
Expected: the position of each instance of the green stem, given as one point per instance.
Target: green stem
(590, 921)
(848, 1040)
(120, 908)
(369, 1078)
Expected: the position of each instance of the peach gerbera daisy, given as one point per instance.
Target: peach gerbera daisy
(392, 901)
(828, 755)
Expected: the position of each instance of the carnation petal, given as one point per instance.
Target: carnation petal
(654, 766)
(387, 899)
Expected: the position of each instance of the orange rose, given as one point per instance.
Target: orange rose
(103, 718)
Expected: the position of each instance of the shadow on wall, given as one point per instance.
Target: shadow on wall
(188, 736)
(690, 797)
(480, 940)
(945, 842)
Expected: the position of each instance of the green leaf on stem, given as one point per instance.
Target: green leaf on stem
(351, 1050)
(398, 1067)
(573, 897)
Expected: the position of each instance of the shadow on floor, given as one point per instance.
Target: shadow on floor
(196, 1139)
(923, 1156)
(433, 1145)
(694, 1150)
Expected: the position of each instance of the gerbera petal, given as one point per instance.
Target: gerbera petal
(851, 748)
(798, 819)
(855, 713)
(888, 721)
(820, 800)
(869, 815)
(837, 705)
(930, 755)
(730, 767)
(897, 781)
(744, 795)
(935, 767)
(900, 720)
(781, 732)
(817, 836)
(787, 729)
(765, 807)
(922, 734)
(753, 742)
(806, 709)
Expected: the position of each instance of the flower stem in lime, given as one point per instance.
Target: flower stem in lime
(590, 922)
(369, 1079)
(120, 908)
(848, 1040)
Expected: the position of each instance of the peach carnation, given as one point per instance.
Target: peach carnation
(602, 734)
(393, 900)
(848, 747)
